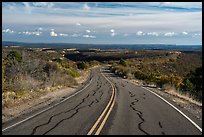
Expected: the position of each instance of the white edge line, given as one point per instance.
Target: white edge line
(200, 129)
(46, 108)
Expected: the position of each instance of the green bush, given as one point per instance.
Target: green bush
(122, 62)
(193, 83)
(188, 85)
(73, 73)
(82, 65)
(140, 75)
(14, 55)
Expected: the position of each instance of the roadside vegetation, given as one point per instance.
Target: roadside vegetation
(170, 70)
(27, 72)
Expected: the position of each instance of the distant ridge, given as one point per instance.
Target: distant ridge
(106, 46)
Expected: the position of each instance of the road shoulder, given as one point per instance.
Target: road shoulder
(192, 108)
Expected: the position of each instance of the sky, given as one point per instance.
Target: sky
(103, 22)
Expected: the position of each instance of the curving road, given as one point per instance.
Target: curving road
(106, 105)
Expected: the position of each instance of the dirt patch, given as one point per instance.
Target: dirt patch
(35, 100)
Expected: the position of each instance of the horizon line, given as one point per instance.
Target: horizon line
(101, 43)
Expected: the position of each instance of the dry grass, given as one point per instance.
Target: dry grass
(171, 90)
(13, 106)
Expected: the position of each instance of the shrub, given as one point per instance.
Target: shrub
(193, 83)
(123, 62)
(14, 55)
(73, 73)
(140, 75)
(162, 80)
(60, 78)
(82, 65)
(188, 85)
(49, 67)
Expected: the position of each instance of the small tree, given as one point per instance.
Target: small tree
(188, 85)
(14, 55)
(122, 62)
(82, 65)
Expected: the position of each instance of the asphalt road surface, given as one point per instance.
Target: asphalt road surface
(106, 105)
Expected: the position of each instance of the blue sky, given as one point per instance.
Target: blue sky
(103, 22)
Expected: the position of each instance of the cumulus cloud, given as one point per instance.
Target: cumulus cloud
(43, 4)
(78, 24)
(185, 33)
(112, 32)
(86, 7)
(88, 31)
(27, 33)
(180, 4)
(63, 34)
(197, 35)
(140, 33)
(75, 35)
(153, 33)
(89, 36)
(37, 33)
(52, 33)
(8, 31)
(169, 34)
(40, 29)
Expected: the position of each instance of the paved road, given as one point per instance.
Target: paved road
(106, 105)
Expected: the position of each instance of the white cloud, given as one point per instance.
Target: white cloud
(185, 33)
(26, 33)
(75, 35)
(88, 31)
(140, 33)
(112, 30)
(37, 33)
(169, 34)
(113, 34)
(52, 33)
(176, 21)
(8, 31)
(63, 34)
(40, 29)
(196, 35)
(78, 24)
(86, 7)
(153, 33)
(180, 4)
(165, 3)
(89, 36)
(43, 4)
